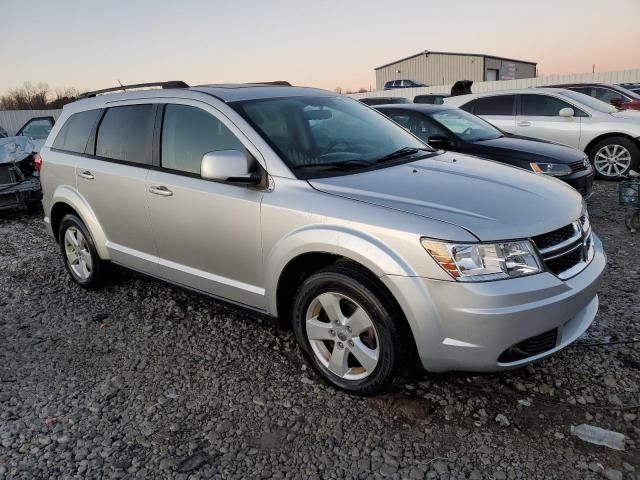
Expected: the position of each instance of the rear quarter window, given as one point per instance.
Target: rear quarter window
(126, 133)
(74, 134)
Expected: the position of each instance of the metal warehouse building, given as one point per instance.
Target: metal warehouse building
(444, 68)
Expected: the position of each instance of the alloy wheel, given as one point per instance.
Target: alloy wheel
(78, 254)
(612, 160)
(342, 336)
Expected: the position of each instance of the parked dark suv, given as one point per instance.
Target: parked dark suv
(390, 85)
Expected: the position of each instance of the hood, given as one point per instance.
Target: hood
(15, 149)
(491, 200)
(528, 149)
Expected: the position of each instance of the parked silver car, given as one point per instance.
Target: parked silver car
(611, 138)
(310, 206)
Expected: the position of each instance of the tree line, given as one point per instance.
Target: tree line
(37, 97)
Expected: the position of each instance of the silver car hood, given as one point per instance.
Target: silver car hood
(491, 200)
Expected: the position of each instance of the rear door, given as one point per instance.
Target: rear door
(539, 117)
(208, 233)
(112, 180)
(500, 110)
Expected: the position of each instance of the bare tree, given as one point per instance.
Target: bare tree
(338, 89)
(36, 97)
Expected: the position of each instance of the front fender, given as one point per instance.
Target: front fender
(358, 246)
(70, 196)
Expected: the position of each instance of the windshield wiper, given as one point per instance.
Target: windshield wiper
(402, 152)
(346, 165)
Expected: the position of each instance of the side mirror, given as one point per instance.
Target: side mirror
(566, 112)
(440, 142)
(230, 166)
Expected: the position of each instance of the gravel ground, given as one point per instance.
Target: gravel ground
(141, 380)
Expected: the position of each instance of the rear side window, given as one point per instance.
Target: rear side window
(542, 106)
(498, 105)
(188, 133)
(126, 133)
(75, 132)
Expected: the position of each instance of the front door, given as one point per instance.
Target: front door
(539, 117)
(207, 233)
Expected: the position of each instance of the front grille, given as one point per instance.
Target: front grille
(565, 249)
(565, 262)
(553, 238)
(530, 347)
(578, 166)
(6, 176)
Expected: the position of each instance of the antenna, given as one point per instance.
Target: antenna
(120, 83)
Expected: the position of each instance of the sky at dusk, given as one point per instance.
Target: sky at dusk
(89, 44)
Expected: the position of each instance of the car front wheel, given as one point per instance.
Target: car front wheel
(613, 157)
(348, 329)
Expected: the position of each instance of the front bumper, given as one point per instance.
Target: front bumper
(581, 181)
(17, 194)
(468, 326)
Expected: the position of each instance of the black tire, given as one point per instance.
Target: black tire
(627, 143)
(95, 278)
(390, 326)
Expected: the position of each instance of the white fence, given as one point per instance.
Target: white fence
(12, 120)
(622, 76)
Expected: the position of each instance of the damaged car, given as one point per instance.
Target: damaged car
(20, 164)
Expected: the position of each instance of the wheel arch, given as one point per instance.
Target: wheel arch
(66, 200)
(589, 147)
(313, 247)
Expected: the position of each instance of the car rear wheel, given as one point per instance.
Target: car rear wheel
(613, 157)
(348, 329)
(79, 253)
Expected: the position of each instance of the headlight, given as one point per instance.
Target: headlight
(554, 169)
(477, 262)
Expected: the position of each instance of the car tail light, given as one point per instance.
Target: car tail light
(37, 160)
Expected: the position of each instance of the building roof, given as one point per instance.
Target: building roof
(426, 52)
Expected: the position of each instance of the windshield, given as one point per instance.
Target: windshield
(317, 136)
(465, 126)
(590, 102)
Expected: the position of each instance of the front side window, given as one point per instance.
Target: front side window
(316, 134)
(74, 134)
(542, 106)
(37, 128)
(497, 105)
(188, 133)
(466, 126)
(125, 134)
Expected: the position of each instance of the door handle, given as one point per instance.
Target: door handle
(161, 190)
(524, 124)
(86, 174)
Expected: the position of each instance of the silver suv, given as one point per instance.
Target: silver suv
(311, 207)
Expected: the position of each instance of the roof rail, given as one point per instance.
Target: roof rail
(170, 84)
(282, 83)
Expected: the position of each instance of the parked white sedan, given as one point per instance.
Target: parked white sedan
(610, 137)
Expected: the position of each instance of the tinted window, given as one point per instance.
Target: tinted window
(417, 124)
(125, 134)
(466, 126)
(542, 106)
(188, 133)
(607, 95)
(75, 132)
(498, 105)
